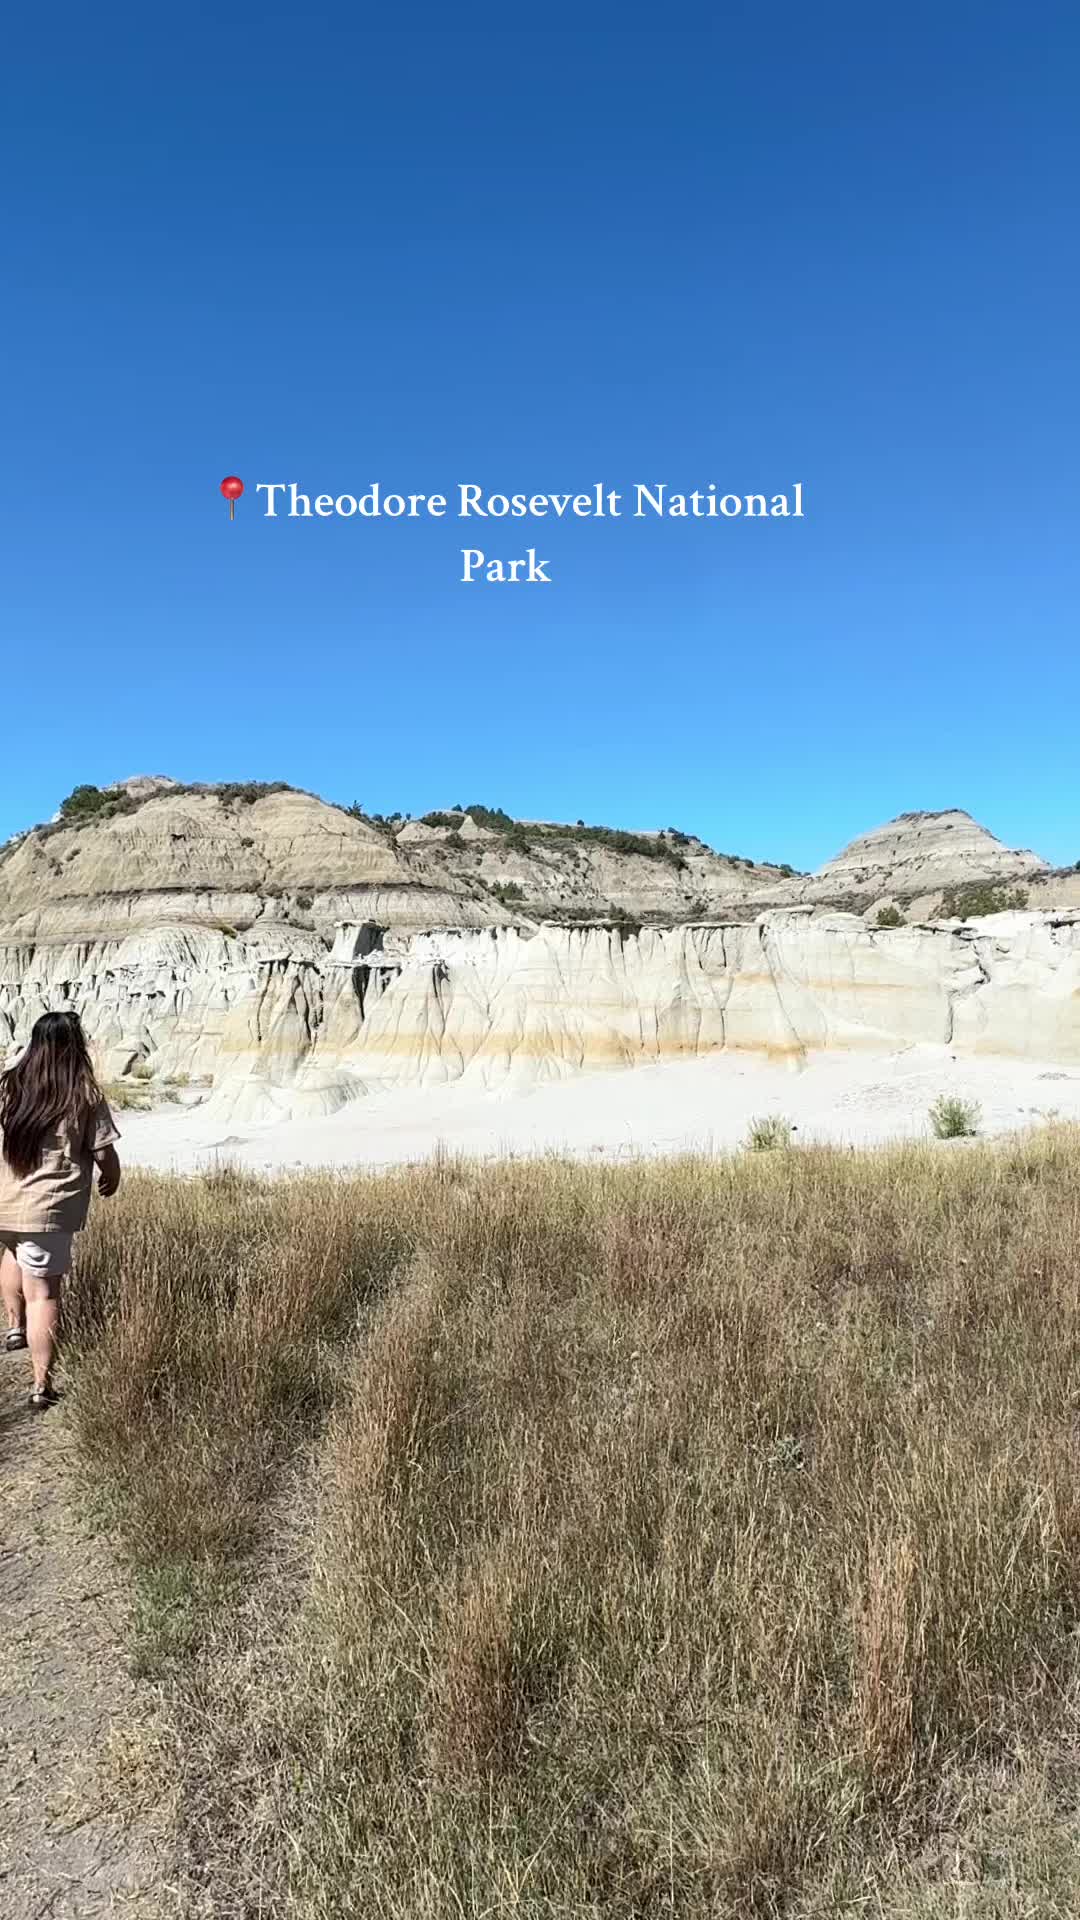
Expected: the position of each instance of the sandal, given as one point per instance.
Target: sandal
(42, 1399)
(14, 1340)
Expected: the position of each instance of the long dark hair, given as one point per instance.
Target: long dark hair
(52, 1082)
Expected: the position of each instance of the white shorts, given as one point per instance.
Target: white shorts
(46, 1255)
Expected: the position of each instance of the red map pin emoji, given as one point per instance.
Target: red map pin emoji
(232, 488)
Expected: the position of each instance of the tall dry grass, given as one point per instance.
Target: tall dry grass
(691, 1538)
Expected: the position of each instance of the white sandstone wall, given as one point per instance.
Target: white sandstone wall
(275, 1023)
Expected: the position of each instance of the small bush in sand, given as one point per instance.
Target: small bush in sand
(767, 1132)
(889, 916)
(954, 1119)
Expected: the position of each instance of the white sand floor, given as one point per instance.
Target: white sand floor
(694, 1105)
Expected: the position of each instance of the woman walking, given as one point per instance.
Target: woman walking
(55, 1127)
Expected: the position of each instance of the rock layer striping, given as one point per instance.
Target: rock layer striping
(271, 1023)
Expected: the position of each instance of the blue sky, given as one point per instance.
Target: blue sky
(835, 245)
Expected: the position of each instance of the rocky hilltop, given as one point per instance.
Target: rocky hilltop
(233, 857)
(277, 954)
(919, 854)
(150, 852)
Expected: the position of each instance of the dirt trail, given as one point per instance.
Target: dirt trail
(83, 1829)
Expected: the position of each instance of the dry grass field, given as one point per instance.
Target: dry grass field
(692, 1538)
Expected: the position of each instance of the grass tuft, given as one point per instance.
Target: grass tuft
(954, 1119)
(768, 1132)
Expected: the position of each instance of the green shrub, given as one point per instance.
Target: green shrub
(648, 847)
(954, 1119)
(978, 898)
(84, 803)
(889, 916)
(521, 838)
(768, 1132)
(491, 817)
(508, 893)
(244, 793)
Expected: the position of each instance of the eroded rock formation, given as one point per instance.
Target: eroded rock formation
(276, 954)
(234, 858)
(272, 1023)
(918, 852)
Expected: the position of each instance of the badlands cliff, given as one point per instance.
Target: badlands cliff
(918, 852)
(276, 955)
(275, 1028)
(239, 857)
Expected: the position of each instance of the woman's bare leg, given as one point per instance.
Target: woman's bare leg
(11, 1288)
(42, 1293)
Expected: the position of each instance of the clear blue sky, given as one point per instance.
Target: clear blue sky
(833, 244)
